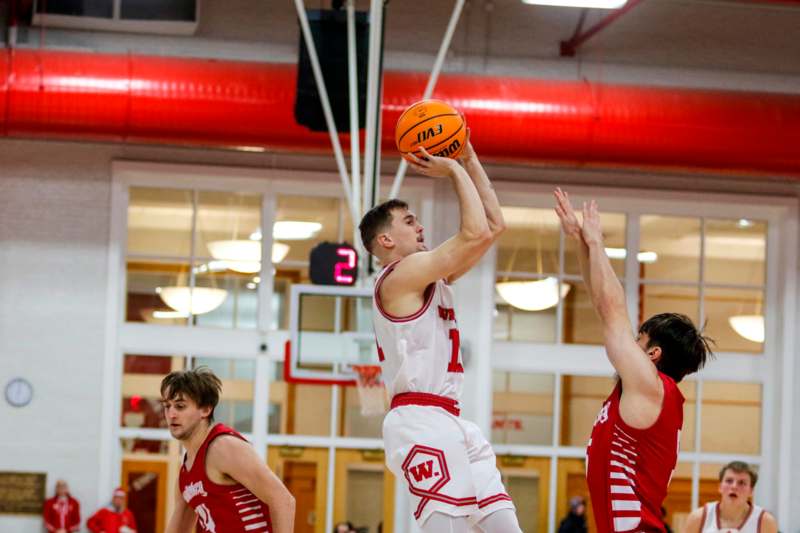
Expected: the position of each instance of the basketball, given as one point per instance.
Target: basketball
(435, 125)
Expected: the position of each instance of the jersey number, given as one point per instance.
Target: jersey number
(455, 340)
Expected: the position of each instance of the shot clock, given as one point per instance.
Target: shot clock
(333, 264)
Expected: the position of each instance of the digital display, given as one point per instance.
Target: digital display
(333, 264)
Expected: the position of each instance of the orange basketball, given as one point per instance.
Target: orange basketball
(434, 125)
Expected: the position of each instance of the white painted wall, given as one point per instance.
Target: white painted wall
(53, 240)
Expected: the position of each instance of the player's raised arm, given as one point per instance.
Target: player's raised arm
(638, 373)
(474, 237)
(491, 205)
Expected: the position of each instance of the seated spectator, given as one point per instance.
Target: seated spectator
(62, 512)
(575, 521)
(115, 518)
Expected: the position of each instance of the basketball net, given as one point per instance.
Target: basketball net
(371, 390)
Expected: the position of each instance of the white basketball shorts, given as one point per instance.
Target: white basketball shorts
(448, 465)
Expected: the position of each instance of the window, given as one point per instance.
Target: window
(522, 408)
(710, 269)
(539, 293)
(193, 258)
(142, 16)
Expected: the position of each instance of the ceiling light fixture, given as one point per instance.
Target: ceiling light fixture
(590, 4)
(242, 256)
(199, 301)
(751, 327)
(532, 295)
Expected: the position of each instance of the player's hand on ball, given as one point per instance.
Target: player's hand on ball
(569, 220)
(431, 165)
(468, 152)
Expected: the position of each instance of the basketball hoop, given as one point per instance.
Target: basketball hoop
(371, 390)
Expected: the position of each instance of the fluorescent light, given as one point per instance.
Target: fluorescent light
(532, 295)
(201, 299)
(622, 253)
(751, 327)
(592, 4)
(744, 223)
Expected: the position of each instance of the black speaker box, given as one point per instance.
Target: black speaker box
(329, 29)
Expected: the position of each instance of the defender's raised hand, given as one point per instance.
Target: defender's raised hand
(591, 231)
(569, 220)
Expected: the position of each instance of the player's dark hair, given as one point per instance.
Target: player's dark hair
(199, 384)
(740, 467)
(684, 349)
(377, 220)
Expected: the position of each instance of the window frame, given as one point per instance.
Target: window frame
(209, 342)
(116, 23)
(561, 359)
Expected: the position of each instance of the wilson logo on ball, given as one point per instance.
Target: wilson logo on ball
(433, 125)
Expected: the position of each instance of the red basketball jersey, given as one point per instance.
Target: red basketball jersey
(628, 470)
(221, 508)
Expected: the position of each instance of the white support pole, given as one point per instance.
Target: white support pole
(373, 100)
(352, 71)
(434, 77)
(326, 104)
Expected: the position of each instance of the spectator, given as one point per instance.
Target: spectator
(115, 518)
(62, 512)
(575, 521)
(735, 510)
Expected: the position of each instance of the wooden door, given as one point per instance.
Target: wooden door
(146, 485)
(304, 472)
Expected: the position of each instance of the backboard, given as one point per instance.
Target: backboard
(330, 329)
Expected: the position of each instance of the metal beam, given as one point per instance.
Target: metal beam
(570, 47)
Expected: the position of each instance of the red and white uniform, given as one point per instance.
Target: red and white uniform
(221, 508)
(711, 522)
(108, 520)
(628, 469)
(448, 465)
(62, 513)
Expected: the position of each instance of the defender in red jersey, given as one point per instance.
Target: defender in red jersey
(223, 486)
(634, 444)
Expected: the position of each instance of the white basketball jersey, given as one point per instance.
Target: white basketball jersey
(420, 352)
(711, 522)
